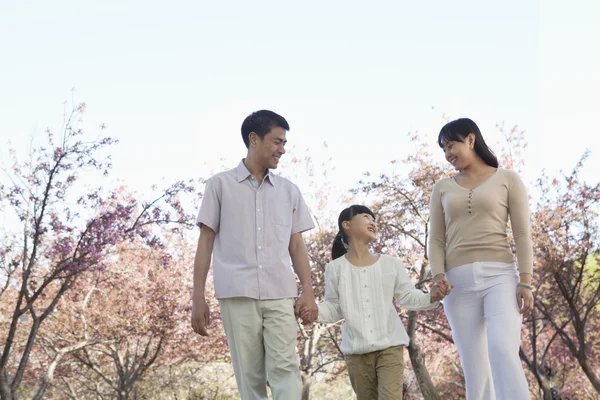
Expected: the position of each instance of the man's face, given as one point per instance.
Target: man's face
(271, 147)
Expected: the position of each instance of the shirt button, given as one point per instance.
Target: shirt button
(260, 266)
(260, 247)
(258, 210)
(259, 228)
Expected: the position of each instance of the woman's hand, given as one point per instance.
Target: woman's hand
(444, 285)
(524, 294)
(524, 299)
(440, 289)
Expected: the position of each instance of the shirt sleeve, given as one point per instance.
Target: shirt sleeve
(518, 209)
(301, 219)
(406, 294)
(436, 246)
(330, 310)
(210, 209)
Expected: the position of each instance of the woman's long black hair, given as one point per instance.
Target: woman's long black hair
(458, 130)
(340, 243)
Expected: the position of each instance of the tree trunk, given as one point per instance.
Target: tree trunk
(307, 358)
(48, 378)
(589, 372)
(546, 389)
(306, 382)
(544, 384)
(428, 390)
(5, 392)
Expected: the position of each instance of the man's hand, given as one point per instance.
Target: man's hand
(299, 257)
(200, 315)
(307, 316)
(306, 308)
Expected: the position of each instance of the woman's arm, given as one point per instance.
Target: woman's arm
(436, 246)
(518, 209)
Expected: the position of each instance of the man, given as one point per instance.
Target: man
(252, 220)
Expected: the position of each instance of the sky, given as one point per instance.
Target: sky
(173, 80)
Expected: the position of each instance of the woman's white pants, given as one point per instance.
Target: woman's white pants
(486, 327)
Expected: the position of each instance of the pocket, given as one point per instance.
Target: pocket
(281, 219)
(281, 212)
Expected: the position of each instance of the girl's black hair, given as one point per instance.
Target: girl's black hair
(458, 130)
(340, 243)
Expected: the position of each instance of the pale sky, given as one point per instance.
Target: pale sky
(173, 80)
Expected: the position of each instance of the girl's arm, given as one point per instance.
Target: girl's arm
(330, 310)
(436, 246)
(407, 295)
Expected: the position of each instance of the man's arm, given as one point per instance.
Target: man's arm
(200, 309)
(299, 257)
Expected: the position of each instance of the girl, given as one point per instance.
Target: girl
(468, 245)
(360, 287)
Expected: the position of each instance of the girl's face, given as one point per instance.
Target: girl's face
(361, 227)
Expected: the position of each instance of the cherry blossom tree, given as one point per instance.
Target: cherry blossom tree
(62, 229)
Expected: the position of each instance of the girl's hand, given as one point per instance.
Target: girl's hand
(308, 316)
(440, 289)
(444, 286)
(435, 294)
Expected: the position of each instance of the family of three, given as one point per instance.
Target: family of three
(251, 223)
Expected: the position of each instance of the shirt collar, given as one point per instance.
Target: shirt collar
(243, 174)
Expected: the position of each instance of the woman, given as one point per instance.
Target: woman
(468, 245)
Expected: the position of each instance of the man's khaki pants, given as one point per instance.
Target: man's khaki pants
(377, 375)
(261, 335)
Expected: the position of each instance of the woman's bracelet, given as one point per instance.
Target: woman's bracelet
(525, 285)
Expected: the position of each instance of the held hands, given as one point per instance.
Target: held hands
(308, 317)
(440, 289)
(306, 307)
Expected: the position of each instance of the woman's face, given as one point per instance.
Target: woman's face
(459, 154)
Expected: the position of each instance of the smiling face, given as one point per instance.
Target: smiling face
(361, 227)
(269, 149)
(460, 154)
